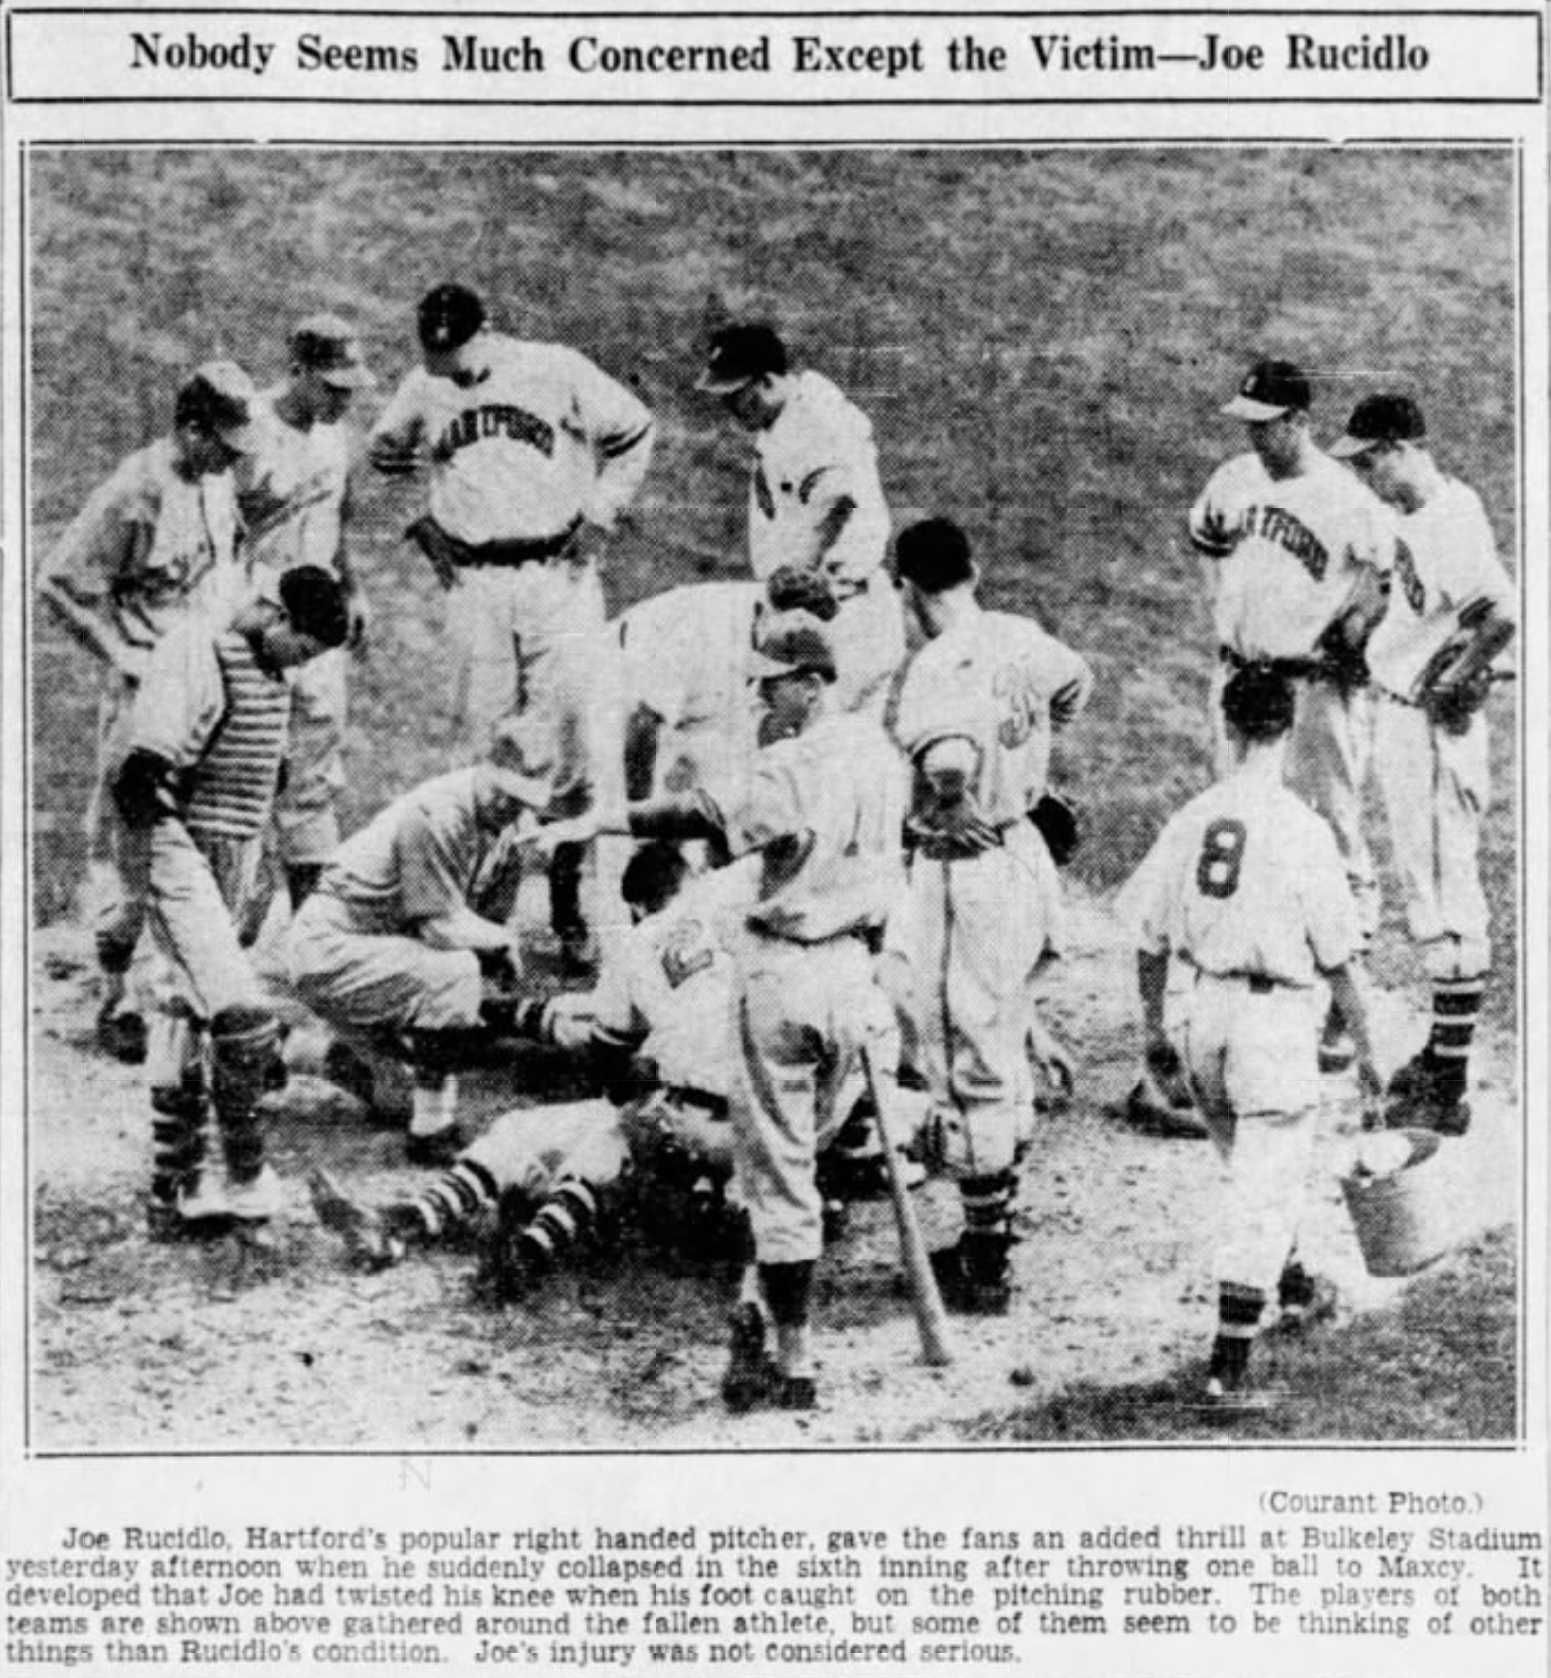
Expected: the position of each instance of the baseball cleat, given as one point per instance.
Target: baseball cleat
(1305, 1302)
(123, 1036)
(1152, 1109)
(363, 1229)
(968, 1287)
(200, 1212)
(436, 1151)
(1337, 1051)
(753, 1380)
(257, 1200)
(1227, 1398)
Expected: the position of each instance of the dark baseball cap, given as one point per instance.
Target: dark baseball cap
(1258, 702)
(741, 354)
(934, 554)
(314, 601)
(448, 316)
(1386, 418)
(793, 650)
(794, 588)
(218, 398)
(327, 346)
(1269, 390)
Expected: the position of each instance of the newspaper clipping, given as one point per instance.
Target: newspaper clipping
(772, 840)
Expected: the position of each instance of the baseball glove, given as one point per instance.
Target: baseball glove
(1162, 1104)
(1059, 826)
(1456, 680)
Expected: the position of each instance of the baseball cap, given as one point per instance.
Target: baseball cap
(218, 398)
(739, 355)
(791, 650)
(314, 601)
(1258, 702)
(934, 555)
(1269, 390)
(523, 758)
(1386, 418)
(448, 316)
(326, 345)
(793, 588)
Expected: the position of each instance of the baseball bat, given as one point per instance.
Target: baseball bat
(925, 1300)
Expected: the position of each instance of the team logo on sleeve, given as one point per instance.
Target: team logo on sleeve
(686, 952)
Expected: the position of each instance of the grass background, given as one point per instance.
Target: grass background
(1043, 339)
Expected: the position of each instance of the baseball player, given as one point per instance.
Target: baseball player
(1301, 552)
(205, 740)
(155, 543)
(823, 808)
(1247, 890)
(656, 1033)
(293, 493)
(405, 947)
(1450, 615)
(978, 708)
(689, 706)
(815, 499)
(533, 454)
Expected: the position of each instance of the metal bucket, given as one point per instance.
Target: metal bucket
(1408, 1218)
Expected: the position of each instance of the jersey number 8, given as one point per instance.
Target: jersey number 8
(1222, 855)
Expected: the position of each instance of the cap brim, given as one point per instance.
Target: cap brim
(533, 790)
(1246, 408)
(1346, 447)
(713, 386)
(760, 667)
(245, 439)
(349, 378)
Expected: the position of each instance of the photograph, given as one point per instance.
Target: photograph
(702, 798)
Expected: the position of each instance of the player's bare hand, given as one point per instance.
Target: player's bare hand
(360, 618)
(1370, 1087)
(587, 544)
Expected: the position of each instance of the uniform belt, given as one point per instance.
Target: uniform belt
(1396, 698)
(866, 935)
(1293, 669)
(521, 550)
(686, 1095)
(1259, 984)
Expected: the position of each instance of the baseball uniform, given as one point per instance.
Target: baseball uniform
(686, 660)
(1292, 554)
(212, 710)
(1247, 889)
(542, 442)
(824, 809)
(979, 919)
(150, 548)
(354, 950)
(1436, 783)
(818, 451)
(293, 495)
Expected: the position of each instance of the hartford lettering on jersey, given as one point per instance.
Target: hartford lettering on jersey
(1287, 531)
(494, 419)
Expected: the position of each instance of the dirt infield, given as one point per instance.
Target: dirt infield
(1042, 339)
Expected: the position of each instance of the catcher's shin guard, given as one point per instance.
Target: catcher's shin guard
(245, 1064)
